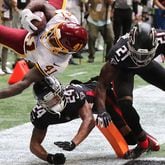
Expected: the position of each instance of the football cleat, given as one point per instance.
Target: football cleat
(153, 143)
(137, 151)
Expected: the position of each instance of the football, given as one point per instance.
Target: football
(39, 24)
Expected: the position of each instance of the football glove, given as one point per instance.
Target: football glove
(26, 17)
(68, 146)
(103, 119)
(56, 159)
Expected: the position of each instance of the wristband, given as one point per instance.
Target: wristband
(50, 158)
(73, 145)
(56, 159)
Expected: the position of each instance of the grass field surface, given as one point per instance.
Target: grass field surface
(16, 110)
(95, 149)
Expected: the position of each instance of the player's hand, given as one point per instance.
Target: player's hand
(26, 17)
(68, 146)
(103, 119)
(58, 158)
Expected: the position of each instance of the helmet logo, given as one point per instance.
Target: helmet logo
(58, 33)
(78, 46)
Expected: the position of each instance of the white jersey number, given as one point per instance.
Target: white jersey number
(39, 111)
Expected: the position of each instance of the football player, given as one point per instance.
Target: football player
(132, 55)
(49, 51)
(58, 104)
(55, 105)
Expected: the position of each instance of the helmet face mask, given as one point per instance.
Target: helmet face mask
(65, 38)
(141, 57)
(49, 94)
(52, 103)
(142, 44)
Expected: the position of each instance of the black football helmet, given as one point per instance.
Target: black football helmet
(50, 94)
(142, 44)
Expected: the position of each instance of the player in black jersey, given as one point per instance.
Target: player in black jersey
(57, 104)
(134, 53)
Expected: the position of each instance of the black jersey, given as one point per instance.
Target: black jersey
(75, 96)
(119, 54)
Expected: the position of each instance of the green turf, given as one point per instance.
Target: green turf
(161, 152)
(16, 110)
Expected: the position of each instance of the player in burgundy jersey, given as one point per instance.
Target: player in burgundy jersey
(50, 51)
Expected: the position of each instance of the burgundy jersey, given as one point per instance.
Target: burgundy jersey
(119, 54)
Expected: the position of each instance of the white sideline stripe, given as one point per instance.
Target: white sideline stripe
(14, 142)
(76, 74)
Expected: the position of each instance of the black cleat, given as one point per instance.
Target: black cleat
(136, 152)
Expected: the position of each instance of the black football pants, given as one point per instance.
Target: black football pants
(154, 74)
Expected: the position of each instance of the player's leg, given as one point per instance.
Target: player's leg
(154, 74)
(12, 38)
(118, 119)
(123, 86)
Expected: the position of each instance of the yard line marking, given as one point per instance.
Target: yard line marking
(76, 74)
(14, 142)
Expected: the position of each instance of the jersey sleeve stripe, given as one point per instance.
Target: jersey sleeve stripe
(40, 69)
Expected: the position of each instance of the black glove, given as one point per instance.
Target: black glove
(56, 159)
(69, 146)
(103, 119)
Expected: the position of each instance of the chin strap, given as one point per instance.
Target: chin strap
(57, 109)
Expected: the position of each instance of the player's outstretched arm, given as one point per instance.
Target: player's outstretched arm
(13, 38)
(32, 76)
(85, 128)
(107, 75)
(88, 123)
(37, 149)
